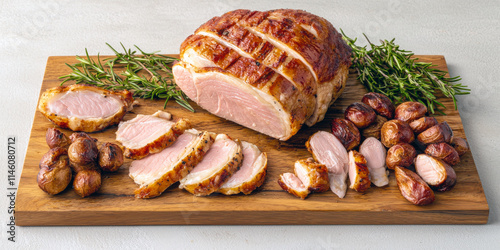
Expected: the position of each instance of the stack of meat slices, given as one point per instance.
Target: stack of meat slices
(269, 71)
(203, 162)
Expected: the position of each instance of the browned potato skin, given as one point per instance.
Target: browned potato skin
(346, 132)
(87, 182)
(360, 114)
(421, 124)
(409, 111)
(83, 151)
(436, 134)
(396, 131)
(55, 173)
(110, 157)
(374, 129)
(380, 103)
(77, 135)
(55, 138)
(401, 154)
(413, 188)
(444, 152)
(460, 145)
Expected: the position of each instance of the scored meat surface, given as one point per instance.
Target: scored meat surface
(149, 134)
(328, 150)
(219, 163)
(84, 108)
(270, 71)
(251, 174)
(156, 172)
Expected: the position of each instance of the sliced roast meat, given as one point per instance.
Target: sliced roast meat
(359, 174)
(439, 175)
(149, 134)
(84, 108)
(328, 150)
(269, 106)
(312, 174)
(270, 85)
(219, 163)
(251, 174)
(156, 172)
(375, 154)
(292, 184)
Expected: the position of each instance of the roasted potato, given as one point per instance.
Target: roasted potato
(413, 188)
(55, 173)
(110, 157)
(346, 132)
(73, 137)
(374, 129)
(436, 134)
(409, 111)
(360, 114)
(87, 182)
(83, 151)
(423, 123)
(435, 172)
(401, 154)
(380, 103)
(55, 138)
(460, 145)
(394, 132)
(443, 151)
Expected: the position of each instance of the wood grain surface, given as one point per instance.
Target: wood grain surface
(114, 204)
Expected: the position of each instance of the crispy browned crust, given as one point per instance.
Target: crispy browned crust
(214, 182)
(161, 142)
(181, 168)
(248, 187)
(281, 89)
(317, 174)
(300, 194)
(227, 29)
(85, 125)
(362, 180)
(325, 53)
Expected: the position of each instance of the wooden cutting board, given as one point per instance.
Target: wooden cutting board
(115, 204)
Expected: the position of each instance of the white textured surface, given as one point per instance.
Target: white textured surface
(466, 34)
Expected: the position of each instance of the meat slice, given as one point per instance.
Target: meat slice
(375, 155)
(269, 106)
(359, 174)
(84, 108)
(157, 172)
(149, 134)
(328, 150)
(251, 174)
(292, 184)
(219, 163)
(312, 174)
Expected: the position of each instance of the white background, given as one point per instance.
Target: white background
(468, 36)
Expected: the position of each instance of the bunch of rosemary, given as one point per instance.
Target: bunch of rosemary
(148, 75)
(394, 72)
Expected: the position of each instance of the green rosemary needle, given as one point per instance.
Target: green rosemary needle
(147, 75)
(392, 71)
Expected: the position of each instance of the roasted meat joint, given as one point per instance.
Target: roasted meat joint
(270, 71)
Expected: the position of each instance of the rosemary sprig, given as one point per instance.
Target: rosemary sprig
(392, 71)
(147, 75)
